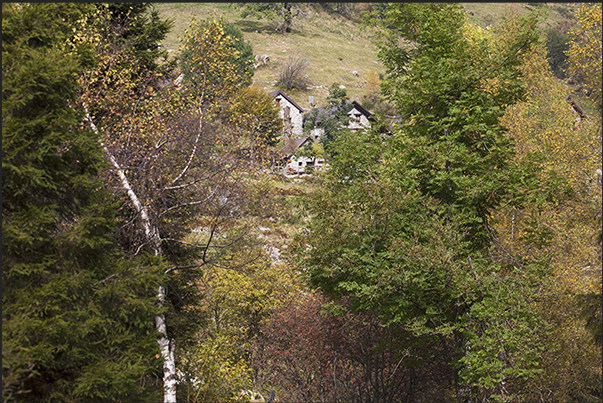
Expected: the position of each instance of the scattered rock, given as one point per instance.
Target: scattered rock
(354, 73)
(261, 60)
(342, 87)
(275, 253)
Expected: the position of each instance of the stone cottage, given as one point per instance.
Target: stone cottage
(360, 118)
(291, 113)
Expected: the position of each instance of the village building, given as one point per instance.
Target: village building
(293, 132)
(359, 118)
(291, 113)
(291, 164)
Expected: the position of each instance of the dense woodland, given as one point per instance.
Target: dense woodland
(452, 256)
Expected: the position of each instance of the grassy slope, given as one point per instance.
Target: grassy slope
(333, 45)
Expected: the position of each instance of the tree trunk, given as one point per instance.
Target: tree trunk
(287, 18)
(166, 345)
(167, 352)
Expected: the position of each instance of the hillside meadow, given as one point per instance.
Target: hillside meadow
(334, 46)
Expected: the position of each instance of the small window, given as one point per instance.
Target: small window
(300, 163)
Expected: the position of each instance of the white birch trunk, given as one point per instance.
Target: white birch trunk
(167, 352)
(166, 345)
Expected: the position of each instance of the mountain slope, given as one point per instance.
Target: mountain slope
(334, 46)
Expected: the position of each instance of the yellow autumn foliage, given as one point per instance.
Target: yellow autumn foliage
(584, 54)
(569, 223)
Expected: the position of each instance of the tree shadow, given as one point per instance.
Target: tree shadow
(268, 28)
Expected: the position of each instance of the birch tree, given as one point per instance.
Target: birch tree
(173, 163)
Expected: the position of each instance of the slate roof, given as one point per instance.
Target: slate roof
(361, 109)
(328, 113)
(290, 147)
(274, 94)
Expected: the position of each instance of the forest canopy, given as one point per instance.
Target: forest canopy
(154, 250)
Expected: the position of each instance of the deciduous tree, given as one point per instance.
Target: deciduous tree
(174, 164)
(214, 60)
(332, 120)
(584, 54)
(312, 349)
(403, 223)
(560, 225)
(253, 114)
(287, 11)
(236, 299)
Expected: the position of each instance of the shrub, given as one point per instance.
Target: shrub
(293, 75)
(557, 44)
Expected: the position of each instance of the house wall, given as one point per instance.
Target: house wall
(317, 133)
(355, 125)
(297, 117)
(298, 165)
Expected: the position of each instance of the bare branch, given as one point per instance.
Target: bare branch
(193, 152)
(195, 181)
(190, 266)
(192, 203)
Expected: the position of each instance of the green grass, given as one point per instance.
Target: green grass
(334, 46)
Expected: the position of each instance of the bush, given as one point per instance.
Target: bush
(294, 74)
(557, 44)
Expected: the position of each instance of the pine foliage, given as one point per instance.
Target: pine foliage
(77, 320)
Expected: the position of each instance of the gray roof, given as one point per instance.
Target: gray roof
(323, 112)
(289, 148)
(361, 108)
(274, 94)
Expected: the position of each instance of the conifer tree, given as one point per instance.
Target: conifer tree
(76, 318)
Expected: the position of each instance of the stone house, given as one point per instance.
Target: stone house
(291, 113)
(290, 164)
(360, 118)
(293, 132)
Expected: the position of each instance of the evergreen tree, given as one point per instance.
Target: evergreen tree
(139, 27)
(77, 319)
(557, 44)
(402, 224)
